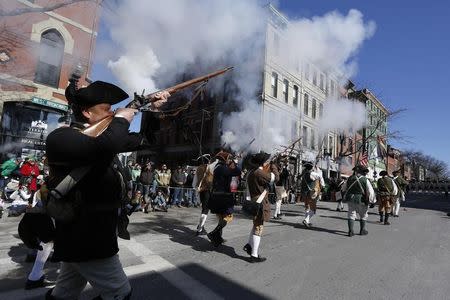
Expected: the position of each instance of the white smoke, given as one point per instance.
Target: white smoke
(158, 40)
(342, 115)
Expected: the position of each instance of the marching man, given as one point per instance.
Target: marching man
(359, 193)
(387, 190)
(401, 185)
(312, 182)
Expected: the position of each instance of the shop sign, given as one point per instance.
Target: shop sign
(49, 103)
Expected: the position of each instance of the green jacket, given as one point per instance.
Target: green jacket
(401, 183)
(8, 167)
(307, 183)
(356, 193)
(386, 186)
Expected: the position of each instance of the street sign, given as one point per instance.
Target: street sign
(50, 103)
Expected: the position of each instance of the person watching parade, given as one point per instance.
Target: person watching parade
(358, 193)
(87, 245)
(387, 190)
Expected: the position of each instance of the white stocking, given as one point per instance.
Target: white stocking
(201, 222)
(255, 245)
(41, 258)
(277, 208)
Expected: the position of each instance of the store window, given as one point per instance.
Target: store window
(25, 128)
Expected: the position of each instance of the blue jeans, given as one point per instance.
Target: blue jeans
(177, 196)
(145, 191)
(160, 200)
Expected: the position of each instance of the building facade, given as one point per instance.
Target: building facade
(39, 51)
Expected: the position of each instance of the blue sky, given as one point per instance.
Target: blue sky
(406, 63)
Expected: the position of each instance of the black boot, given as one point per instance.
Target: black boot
(215, 236)
(363, 230)
(350, 228)
(386, 219)
(381, 217)
(248, 249)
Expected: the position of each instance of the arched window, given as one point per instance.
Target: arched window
(50, 58)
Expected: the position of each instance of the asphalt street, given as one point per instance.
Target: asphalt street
(409, 259)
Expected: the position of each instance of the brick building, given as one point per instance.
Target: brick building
(39, 50)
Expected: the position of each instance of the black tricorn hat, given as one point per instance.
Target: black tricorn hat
(96, 93)
(260, 158)
(361, 169)
(383, 173)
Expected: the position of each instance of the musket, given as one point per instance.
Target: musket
(275, 155)
(142, 102)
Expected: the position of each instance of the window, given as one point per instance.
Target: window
(315, 77)
(295, 96)
(276, 44)
(332, 88)
(314, 108)
(320, 110)
(305, 104)
(313, 140)
(294, 130)
(285, 90)
(330, 145)
(322, 82)
(50, 58)
(305, 136)
(274, 84)
(307, 70)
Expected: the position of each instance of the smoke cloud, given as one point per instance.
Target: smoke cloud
(159, 40)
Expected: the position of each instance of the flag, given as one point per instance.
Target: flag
(364, 160)
(382, 149)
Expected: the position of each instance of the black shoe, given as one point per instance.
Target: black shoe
(307, 225)
(178, 205)
(34, 284)
(247, 248)
(257, 259)
(212, 236)
(387, 223)
(351, 233)
(395, 216)
(338, 209)
(277, 217)
(201, 232)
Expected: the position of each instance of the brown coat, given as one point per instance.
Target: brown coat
(257, 181)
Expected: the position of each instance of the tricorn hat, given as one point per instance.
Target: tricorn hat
(383, 173)
(223, 155)
(259, 158)
(361, 169)
(95, 93)
(308, 165)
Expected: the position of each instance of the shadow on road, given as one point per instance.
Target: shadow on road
(313, 228)
(179, 233)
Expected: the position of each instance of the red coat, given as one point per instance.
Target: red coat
(33, 171)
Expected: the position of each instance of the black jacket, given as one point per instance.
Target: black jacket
(93, 234)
